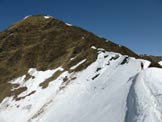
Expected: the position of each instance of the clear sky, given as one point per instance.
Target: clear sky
(136, 24)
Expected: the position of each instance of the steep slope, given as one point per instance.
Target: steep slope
(43, 42)
(145, 96)
(98, 93)
(51, 71)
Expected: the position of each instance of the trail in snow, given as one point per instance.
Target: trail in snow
(131, 102)
(145, 96)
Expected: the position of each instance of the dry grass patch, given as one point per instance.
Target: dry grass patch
(54, 77)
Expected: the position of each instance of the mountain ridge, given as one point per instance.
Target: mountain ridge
(43, 42)
(27, 34)
(43, 59)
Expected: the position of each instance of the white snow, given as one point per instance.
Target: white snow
(72, 58)
(47, 17)
(106, 91)
(27, 17)
(100, 100)
(145, 63)
(100, 49)
(68, 24)
(144, 100)
(73, 67)
(31, 104)
(160, 63)
(93, 47)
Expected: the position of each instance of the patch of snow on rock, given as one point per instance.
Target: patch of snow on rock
(160, 63)
(26, 17)
(68, 24)
(93, 47)
(78, 64)
(47, 17)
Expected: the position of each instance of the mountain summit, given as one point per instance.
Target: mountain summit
(54, 71)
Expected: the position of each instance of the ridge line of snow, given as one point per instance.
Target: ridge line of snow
(142, 104)
(131, 107)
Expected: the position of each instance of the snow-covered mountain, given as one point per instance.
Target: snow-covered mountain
(55, 72)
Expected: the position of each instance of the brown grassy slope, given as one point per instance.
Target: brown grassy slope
(155, 58)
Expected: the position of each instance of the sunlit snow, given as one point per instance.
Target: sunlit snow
(160, 63)
(108, 90)
(47, 17)
(68, 24)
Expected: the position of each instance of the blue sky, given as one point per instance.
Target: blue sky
(136, 24)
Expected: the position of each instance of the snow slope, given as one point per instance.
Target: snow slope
(160, 63)
(115, 88)
(145, 96)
